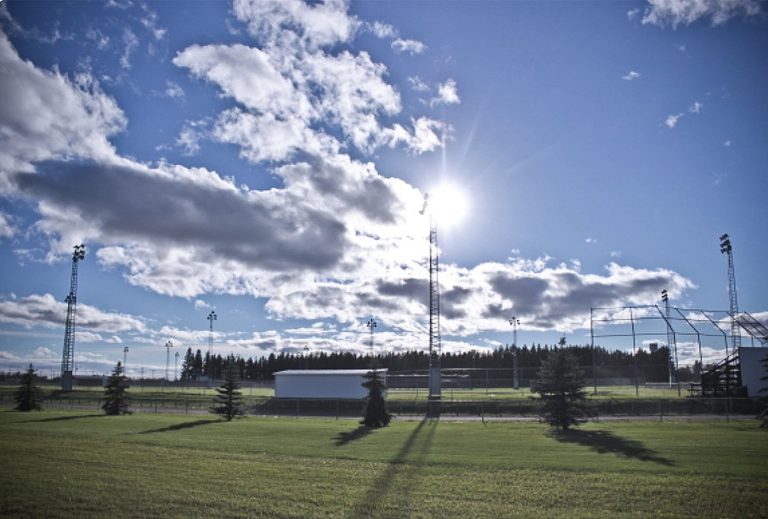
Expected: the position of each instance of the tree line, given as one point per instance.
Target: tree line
(652, 366)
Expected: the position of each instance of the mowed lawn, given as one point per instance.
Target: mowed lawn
(57, 464)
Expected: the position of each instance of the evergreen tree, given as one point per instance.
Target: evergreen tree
(28, 393)
(376, 414)
(561, 386)
(115, 398)
(764, 415)
(188, 366)
(229, 400)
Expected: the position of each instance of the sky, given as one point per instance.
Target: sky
(270, 159)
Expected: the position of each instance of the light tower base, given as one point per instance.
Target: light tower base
(66, 381)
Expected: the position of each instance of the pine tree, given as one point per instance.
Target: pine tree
(376, 414)
(188, 366)
(764, 415)
(115, 398)
(229, 400)
(28, 393)
(561, 386)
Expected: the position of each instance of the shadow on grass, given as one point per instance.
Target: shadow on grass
(605, 442)
(404, 467)
(344, 438)
(64, 418)
(181, 426)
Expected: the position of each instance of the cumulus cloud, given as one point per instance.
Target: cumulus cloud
(418, 84)
(696, 107)
(382, 30)
(45, 310)
(46, 116)
(7, 229)
(672, 13)
(130, 44)
(410, 46)
(672, 120)
(631, 75)
(446, 94)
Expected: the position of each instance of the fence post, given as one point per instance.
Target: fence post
(186, 408)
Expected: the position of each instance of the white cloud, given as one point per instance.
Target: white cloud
(149, 21)
(672, 120)
(7, 229)
(315, 25)
(45, 310)
(590, 240)
(418, 84)
(173, 90)
(47, 116)
(696, 107)
(190, 136)
(671, 13)
(727, 143)
(131, 42)
(616, 253)
(631, 75)
(446, 94)
(633, 13)
(382, 30)
(201, 305)
(410, 46)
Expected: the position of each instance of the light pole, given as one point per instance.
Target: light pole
(168, 346)
(211, 317)
(515, 322)
(371, 324)
(306, 357)
(176, 367)
(125, 360)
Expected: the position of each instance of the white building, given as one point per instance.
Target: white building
(323, 383)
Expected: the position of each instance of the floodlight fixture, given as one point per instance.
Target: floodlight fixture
(371, 324)
(664, 296)
(168, 346)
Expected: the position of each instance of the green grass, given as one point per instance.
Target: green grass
(58, 464)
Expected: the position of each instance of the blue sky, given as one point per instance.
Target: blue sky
(269, 160)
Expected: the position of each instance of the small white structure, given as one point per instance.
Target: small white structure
(323, 383)
(752, 370)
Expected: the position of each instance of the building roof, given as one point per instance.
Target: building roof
(327, 372)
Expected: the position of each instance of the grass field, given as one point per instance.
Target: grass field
(57, 464)
(155, 392)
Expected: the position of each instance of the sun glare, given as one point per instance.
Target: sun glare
(449, 205)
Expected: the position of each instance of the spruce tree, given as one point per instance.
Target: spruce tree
(561, 386)
(376, 414)
(115, 398)
(764, 415)
(229, 401)
(28, 393)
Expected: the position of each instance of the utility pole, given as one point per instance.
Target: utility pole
(176, 367)
(68, 354)
(125, 360)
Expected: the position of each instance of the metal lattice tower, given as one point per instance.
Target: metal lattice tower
(727, 248)
(671, 367)
(515, 375)
(435, 347)
(68, 355)
(211, 317)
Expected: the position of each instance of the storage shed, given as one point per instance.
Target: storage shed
(323, 383)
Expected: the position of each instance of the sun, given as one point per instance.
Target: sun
(449, 205)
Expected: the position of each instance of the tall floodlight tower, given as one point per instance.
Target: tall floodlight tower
(168, 346)
(371, 324)
(515, 322)
(68, 355)
(211, 317)
(726, 248)
(435, 348)
(665, 300)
